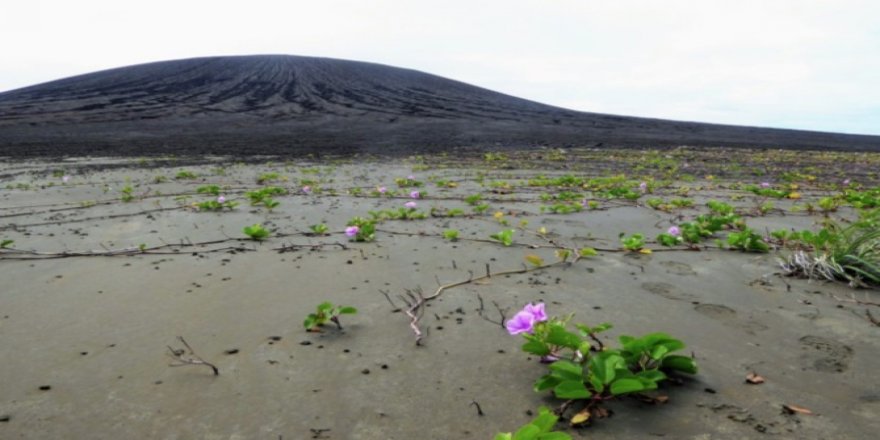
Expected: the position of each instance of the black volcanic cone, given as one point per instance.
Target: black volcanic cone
(295, 105)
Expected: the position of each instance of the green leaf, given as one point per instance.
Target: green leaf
(624, 386)
(504, 436)
(348, 310)
(545, 420)
(325, 307)
(567, 370)
(528, 432)
(598, 385)
(310, 322)
(651, 375)
(554, 436)
(536, 347)
(545, 383)
(680, 363)
(572, 389)
(658, 352)
(558, 335)
(603, 366)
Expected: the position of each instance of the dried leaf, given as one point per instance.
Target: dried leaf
(792, 409)
(581, 417)
(754, 378)
(600, 413)
(645, 251)
(659, 400)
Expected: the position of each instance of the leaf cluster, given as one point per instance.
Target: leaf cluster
(326, 312)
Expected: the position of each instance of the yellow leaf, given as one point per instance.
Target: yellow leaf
(563, 254)
(581, 417)
(794, 195)
(588, 252)
(535, 260)
(498, 215)
(644, 251)
(542, 231)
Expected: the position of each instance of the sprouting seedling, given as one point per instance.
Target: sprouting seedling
(504, 237)
(270, 203)
(319, 229)
(451, 234)
(473, 199)
(182, 175)
(541, 428)
(267, 177)
(127, 193)
(326, 312)
(188, 356)
(256, 232)
(6, 244)
(633, 243)
(214, 190)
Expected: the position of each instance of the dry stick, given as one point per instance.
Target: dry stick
(18, 254)
(872, 318)
(497, 307)
(856, 301)
(193, 358)
(416, 304)
(479, 409)
(314, 247)
(85, 219)
(388, 297)
(415, 312)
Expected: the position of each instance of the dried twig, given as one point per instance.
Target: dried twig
(188, 357)
(501, 312)
(479, 409)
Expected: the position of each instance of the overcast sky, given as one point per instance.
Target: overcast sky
(804, 64)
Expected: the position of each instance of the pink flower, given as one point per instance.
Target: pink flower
(382, 190)
(221, 199)
(674, 231)
(846, 182)
(411, 177)
(307, 189)
(537, 311)
(351, 231)
(65, 178)
(415, 195)
(524, 321)
(410, 204)
(643, 187)
(765, 184)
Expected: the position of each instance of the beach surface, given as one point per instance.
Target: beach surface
(111, 261)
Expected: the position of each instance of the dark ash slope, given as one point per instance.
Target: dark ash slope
(295, 105)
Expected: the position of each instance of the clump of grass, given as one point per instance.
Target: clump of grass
(849, 253)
